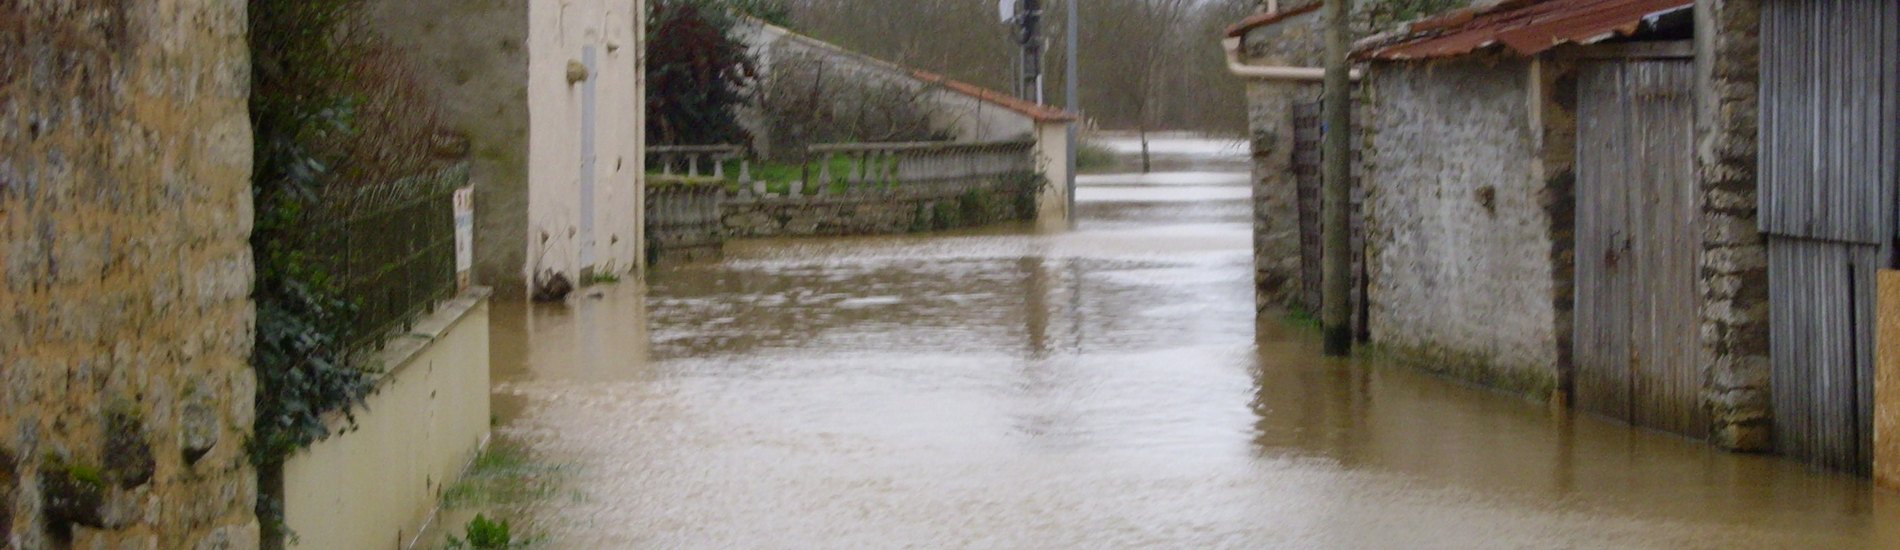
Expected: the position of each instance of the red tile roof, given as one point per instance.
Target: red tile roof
(1527, 27)
(1041, 113)
(1258, 20)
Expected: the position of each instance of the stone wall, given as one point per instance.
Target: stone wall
(1460, 238)
(965, 117)
(473, 57)
(1734, 282)
(125, 318)
(493, 64)
(1295, 41)
(908, 209)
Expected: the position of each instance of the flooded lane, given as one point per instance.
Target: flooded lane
(1105, 387)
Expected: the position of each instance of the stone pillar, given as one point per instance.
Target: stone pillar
(126, 323)
(1734, 283)
(1276, 211)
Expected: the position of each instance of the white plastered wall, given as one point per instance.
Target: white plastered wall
(584, 216)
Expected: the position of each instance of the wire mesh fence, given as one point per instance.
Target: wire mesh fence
(388, 248)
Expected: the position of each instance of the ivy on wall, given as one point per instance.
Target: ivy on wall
(331, 109)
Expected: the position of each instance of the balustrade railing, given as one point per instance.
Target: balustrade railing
(700, 160)
(881, 167)
(849, 168)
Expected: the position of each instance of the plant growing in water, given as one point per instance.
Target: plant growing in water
(482, 533)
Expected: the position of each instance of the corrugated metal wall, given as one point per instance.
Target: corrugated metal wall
(1827, 114)
(1829, 104)
(1821, 334)
(1638, 245)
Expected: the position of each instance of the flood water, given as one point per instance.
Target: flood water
(1103, 387)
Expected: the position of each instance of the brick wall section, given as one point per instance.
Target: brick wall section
(125, 318)
(1734, 282)
(1459, 223)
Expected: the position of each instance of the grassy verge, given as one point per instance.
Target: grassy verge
(1091, 156)
(483, 509)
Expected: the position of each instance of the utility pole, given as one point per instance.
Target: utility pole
(1071, 97)
(1031, 40)
(1336, 270)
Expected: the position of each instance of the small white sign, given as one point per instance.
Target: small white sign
(464, 233)
(1006, 10)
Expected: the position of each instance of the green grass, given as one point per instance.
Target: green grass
(1090, 156)
(1300, 317)
(504, 475)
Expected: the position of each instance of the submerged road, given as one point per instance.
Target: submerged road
(1105, 387)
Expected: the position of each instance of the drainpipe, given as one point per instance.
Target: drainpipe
(1244, 70)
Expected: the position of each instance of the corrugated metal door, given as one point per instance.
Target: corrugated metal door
(1821, 330)
(1638, 245)
(1829, 105)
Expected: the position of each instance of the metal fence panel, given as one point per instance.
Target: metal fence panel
(389, 248)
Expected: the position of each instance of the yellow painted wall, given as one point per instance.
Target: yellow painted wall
(376, 486)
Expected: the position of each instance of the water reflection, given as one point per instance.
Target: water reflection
(1107, 387)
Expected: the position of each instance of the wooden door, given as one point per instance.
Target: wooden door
(1637, 245)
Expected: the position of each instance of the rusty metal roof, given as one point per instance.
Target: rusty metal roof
(1526, 27)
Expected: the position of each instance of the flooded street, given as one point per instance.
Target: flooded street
(1102, 387)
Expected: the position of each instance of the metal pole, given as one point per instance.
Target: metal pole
(1032, 50)
(1336, 270)
(1072, 98)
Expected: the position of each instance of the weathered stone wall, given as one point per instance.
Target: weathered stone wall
(1734, 282)
(909, 209)
(1296, 41)
(125, 318)
(1459, 235)
(473, 57)
(965, 117)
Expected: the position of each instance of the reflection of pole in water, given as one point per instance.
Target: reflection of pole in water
(1075, 301)
(1035, 306)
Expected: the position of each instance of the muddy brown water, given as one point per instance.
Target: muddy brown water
(1103, 387)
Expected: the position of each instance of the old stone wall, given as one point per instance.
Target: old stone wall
(1734, 282)
(125, 319)
(912, 208)
(473, 58)
(965, 117)
(1460, 244)
(1296, 41)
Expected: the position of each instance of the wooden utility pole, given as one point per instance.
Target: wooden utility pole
(1336, 270)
